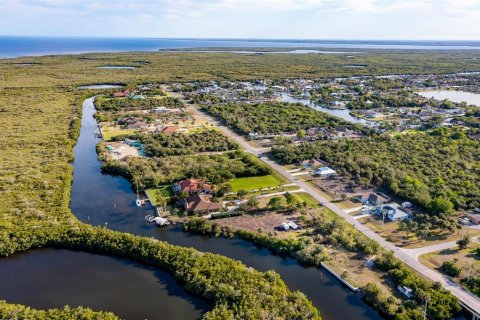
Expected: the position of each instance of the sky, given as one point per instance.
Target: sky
(266, 19)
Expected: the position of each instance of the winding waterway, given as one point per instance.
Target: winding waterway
(49, 278)
(109, 201)
(339, 113)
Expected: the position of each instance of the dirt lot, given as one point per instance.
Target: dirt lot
(268, 222)
(356, 271)
(337, 186)
(122, 150)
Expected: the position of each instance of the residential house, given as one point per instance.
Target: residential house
(312, 163)
(362, 197)
(392, 212)
(140, 124)
(200, 203)
(191, 186)
(474, 218)
(169, 129)
(123, 93)
(324, 172)
(376, 199)
(133, 123)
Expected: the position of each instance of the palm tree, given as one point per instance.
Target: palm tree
(161, 200)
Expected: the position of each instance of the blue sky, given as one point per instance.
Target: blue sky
(305, 19)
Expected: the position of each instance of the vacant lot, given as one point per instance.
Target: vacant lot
(339, 187)
(391, 232)
(108, 133)
(305, 197)
(267, 222)
(253, 183)
(464, 258)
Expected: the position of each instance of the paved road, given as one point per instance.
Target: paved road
(436, 247)
(408, 256)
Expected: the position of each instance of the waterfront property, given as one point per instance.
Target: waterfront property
(199, 203)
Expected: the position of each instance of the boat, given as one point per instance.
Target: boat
(158, 220)
(138, 202)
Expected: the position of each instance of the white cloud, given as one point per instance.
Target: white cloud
(246, 18)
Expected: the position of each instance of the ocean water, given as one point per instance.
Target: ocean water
(16, 46)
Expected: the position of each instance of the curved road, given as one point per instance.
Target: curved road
(408, 256)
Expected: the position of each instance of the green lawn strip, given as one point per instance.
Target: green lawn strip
(166, 191)
(252, 183)
(109, 133)
(303, 196)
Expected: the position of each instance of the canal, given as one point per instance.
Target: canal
(339, 113)
(50, 278)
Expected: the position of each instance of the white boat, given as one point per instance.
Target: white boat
(161, 221)
(138, 202)
(158, 220)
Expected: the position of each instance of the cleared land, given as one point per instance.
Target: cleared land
(392, 233)
(109, 132)
(464, 259)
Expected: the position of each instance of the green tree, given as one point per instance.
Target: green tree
(252, 203)
(450, 268)
(441, 205)
(464, 241)
(161, 200)
(275, 203)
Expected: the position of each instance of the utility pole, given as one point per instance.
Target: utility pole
(425, 310)
(469, 272)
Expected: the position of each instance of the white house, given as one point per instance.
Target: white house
(324, 172)
(392, 211)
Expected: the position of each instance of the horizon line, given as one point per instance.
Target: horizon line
(240, 38)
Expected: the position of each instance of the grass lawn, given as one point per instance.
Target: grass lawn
(303, 196)
(109, 132)
(165, 191)
(252, 183)
(348, 204)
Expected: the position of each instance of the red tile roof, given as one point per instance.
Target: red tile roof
(193, 185)
(200, 203)
(169, 129)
